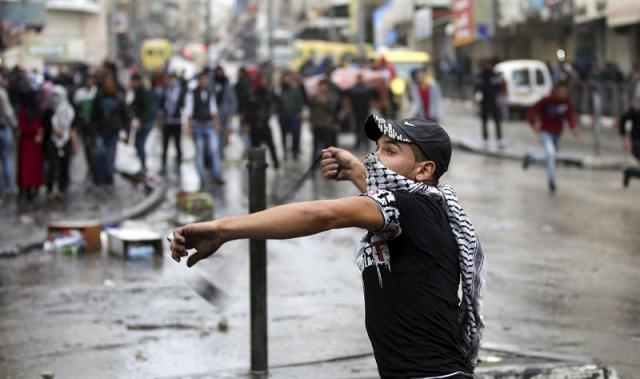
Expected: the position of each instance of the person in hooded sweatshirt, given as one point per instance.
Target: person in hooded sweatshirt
(58, 146)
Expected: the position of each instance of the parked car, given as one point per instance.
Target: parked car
(526, 81)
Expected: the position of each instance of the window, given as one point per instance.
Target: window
(539, 77)
(521, 77)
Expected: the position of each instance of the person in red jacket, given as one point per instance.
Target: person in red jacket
(30, 153)
(547, 117)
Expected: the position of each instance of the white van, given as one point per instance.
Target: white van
(527, 81)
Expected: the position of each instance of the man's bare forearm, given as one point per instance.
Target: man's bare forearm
(301, 219)
(359, 178)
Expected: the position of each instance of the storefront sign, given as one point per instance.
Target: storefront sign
(462, 16)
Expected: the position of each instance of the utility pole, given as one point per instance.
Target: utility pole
(361, 26)
(207, 27)
(135, 30)
(270, 30)
(332, 26)
(113, 36)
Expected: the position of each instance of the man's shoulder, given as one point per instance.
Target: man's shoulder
(412, 201)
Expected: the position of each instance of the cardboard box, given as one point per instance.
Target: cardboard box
(90, 230)
(131, 243)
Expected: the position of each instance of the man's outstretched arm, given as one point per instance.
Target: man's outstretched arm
(283, 222)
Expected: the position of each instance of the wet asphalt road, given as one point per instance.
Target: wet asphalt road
(563, 276)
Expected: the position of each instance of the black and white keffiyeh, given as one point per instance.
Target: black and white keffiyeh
(380, 181)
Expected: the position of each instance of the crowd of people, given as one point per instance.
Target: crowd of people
(48, 118)
(45, 119)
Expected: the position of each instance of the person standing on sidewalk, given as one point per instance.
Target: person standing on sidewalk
(203, 124)
(144, 110)
(110, 117)
(488, 87)
(8, 124)
(172, 101)
(58, 146)
(631, 141)
(546, 117)
(426, 98)
(361, 96)
(244, 89)
(321, 116)
(260, 105)
(290, 106)
(83, 100)
(30, 154)
(418, 244)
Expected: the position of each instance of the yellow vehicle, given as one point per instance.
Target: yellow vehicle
(404, 61)
(318, 49)
(155, 53)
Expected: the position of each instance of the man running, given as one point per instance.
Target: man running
(551, 110)
(418, 245)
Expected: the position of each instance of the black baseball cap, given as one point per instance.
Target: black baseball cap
(430, 137)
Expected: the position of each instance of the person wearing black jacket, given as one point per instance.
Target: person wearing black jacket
(260, 105)
(361, 96)
(144, 110)
(110, 116)
(244, 89)
(487, 88)
(171, 104)
(632, 141)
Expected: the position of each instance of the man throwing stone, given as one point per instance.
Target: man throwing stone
(418, 247)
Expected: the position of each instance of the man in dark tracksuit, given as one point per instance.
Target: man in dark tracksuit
(321, 108)
(171, 104)
(361, 96)
(144, 109)
(633, 141)
(488, 84)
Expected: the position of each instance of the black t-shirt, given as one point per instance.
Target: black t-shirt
(411, 275)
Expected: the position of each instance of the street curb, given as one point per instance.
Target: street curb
(585, 162)
(149, 203)
(145, 206)
(551, 356)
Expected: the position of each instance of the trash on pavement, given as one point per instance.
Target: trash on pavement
(68, 242)
(89, 229)
(194, 207)
(134, 243)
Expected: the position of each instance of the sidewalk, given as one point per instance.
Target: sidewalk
(23, 227)
(464, 125)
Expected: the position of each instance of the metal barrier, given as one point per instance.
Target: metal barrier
(457, 87)
(615, 96)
